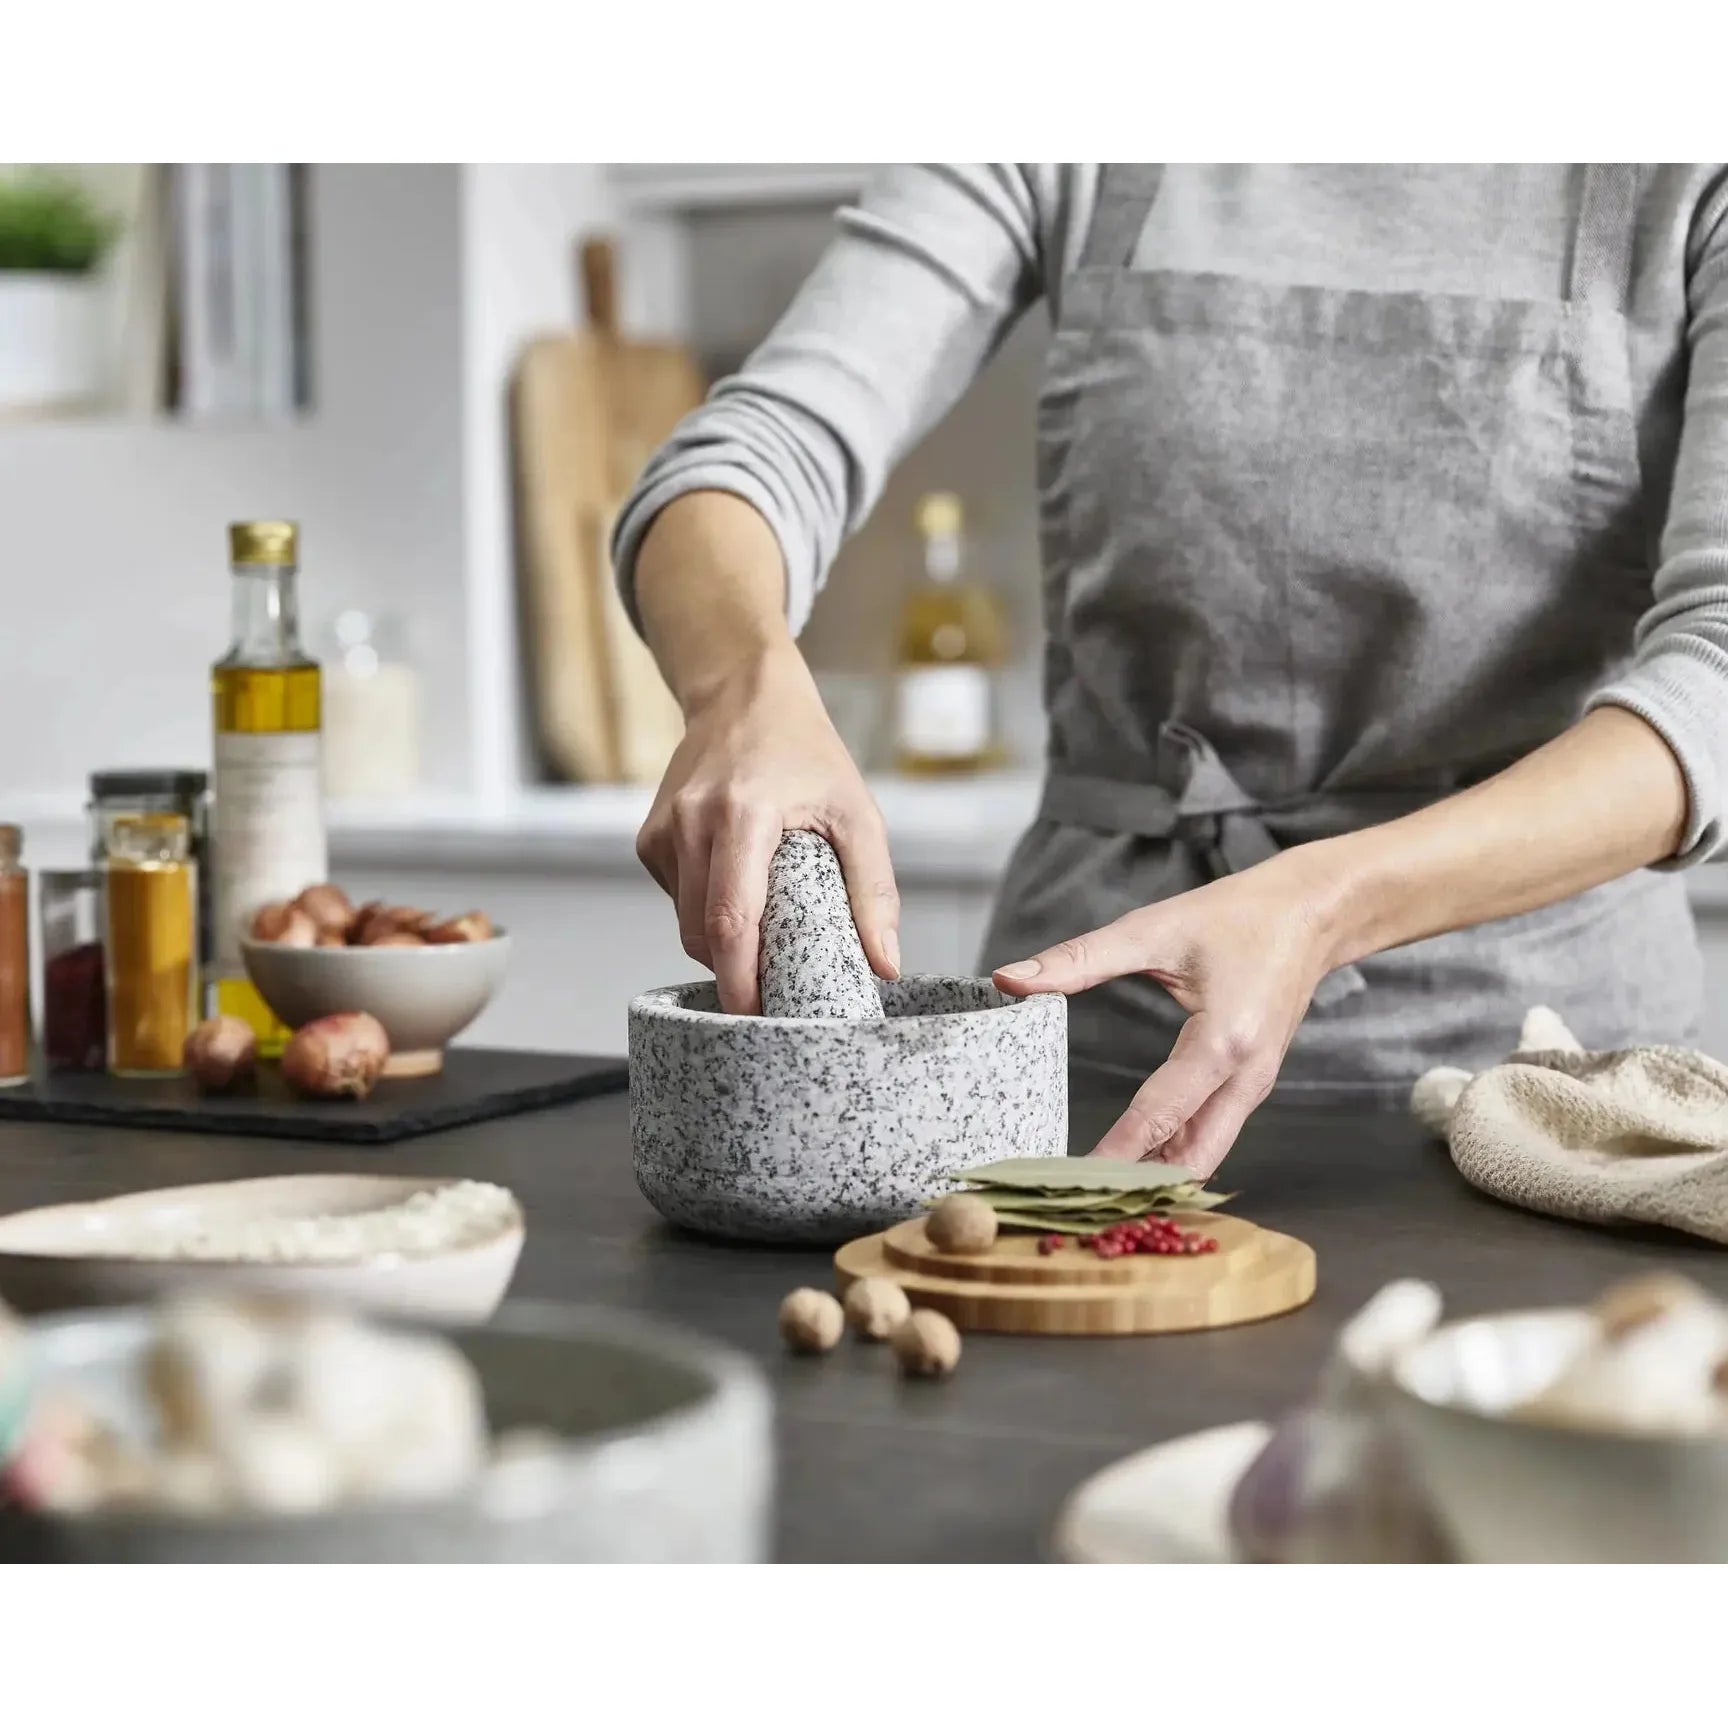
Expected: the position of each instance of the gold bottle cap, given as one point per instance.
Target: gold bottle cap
(940, 516)
(264, 542)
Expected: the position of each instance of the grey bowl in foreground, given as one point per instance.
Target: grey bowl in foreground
(814, 1131)
(422, 996)
(664, 1455)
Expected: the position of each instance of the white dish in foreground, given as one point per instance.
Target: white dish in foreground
(1167, 1505)
(1510, 1489)
(74, 1256)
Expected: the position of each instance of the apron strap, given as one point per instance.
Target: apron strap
(1126, 193)
(1599, 272)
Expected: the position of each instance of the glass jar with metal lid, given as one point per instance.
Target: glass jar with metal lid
(120, 793)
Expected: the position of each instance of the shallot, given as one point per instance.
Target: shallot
(221, 1052)
(340, 1056)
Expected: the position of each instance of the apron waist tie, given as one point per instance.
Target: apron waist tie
(1211, 813)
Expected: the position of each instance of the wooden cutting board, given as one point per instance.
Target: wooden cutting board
(587, 412)
(1254, 1274)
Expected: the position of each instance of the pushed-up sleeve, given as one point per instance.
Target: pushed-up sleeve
(1678, 679)
(928, 273)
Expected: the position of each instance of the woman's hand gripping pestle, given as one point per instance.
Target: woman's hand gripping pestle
(812, 964)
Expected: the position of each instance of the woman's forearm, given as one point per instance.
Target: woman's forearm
(759, 756)
(711, 587)
(1605, 798)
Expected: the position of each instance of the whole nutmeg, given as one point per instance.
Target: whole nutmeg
(397, 939)
(811, 1321)
(961, 1224)
(220, 1052)
(332, 939)
(470, 927)
(340, 1056)
(328, 907)
(926, 1343)
(875, 1306)
(285, 923)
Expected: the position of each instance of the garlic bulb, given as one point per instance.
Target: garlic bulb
(1331, 1484)
(1651, 1367)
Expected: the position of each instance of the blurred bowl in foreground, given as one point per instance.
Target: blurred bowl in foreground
(1510, 1489)
(660, 1451)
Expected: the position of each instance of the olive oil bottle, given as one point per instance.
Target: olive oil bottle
(951, 642)
(267, 834)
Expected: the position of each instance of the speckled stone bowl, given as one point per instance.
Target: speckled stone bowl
(821, 1130)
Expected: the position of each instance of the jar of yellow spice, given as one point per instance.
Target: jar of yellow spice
(151, 959)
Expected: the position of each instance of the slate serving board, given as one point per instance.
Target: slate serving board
(475, 1086)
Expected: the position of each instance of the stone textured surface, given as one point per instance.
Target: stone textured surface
(812, 964)
(820, 1130)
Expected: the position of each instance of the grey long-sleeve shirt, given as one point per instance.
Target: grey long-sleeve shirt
(933, 266)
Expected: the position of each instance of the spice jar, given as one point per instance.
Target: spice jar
(74, 991)
(150, 890)
(14, 958)
(121, 792)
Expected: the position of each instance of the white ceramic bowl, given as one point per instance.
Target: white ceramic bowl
(662, 1452)
(422, 996)
(1510, 1490)
(65, 1256)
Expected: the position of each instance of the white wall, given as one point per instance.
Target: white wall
(113, 557)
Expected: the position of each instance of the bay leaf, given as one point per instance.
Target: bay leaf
(1011, 1200)
(1068, 1223)
(1058, 1224)
(1064, 1174)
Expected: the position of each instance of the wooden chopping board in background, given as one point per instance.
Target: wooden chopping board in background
(587, 412)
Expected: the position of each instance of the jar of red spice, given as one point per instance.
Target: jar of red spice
(74, 1005)
(14, 958)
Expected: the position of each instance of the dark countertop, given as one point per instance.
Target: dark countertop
(975, 1467)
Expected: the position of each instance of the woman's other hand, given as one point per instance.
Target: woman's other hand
(1243, 956)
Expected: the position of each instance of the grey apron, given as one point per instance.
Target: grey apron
(1314, 558)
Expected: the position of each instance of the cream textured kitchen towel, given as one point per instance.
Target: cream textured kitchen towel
(1617, 1137)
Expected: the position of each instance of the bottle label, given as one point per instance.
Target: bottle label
(943, 711)
(266, 831)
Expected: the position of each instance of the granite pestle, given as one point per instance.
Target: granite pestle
(812, 964)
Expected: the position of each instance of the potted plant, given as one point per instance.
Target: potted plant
(53, 235)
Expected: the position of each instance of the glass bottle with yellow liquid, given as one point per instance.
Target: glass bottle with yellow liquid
(267, 829)
(952, 640)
